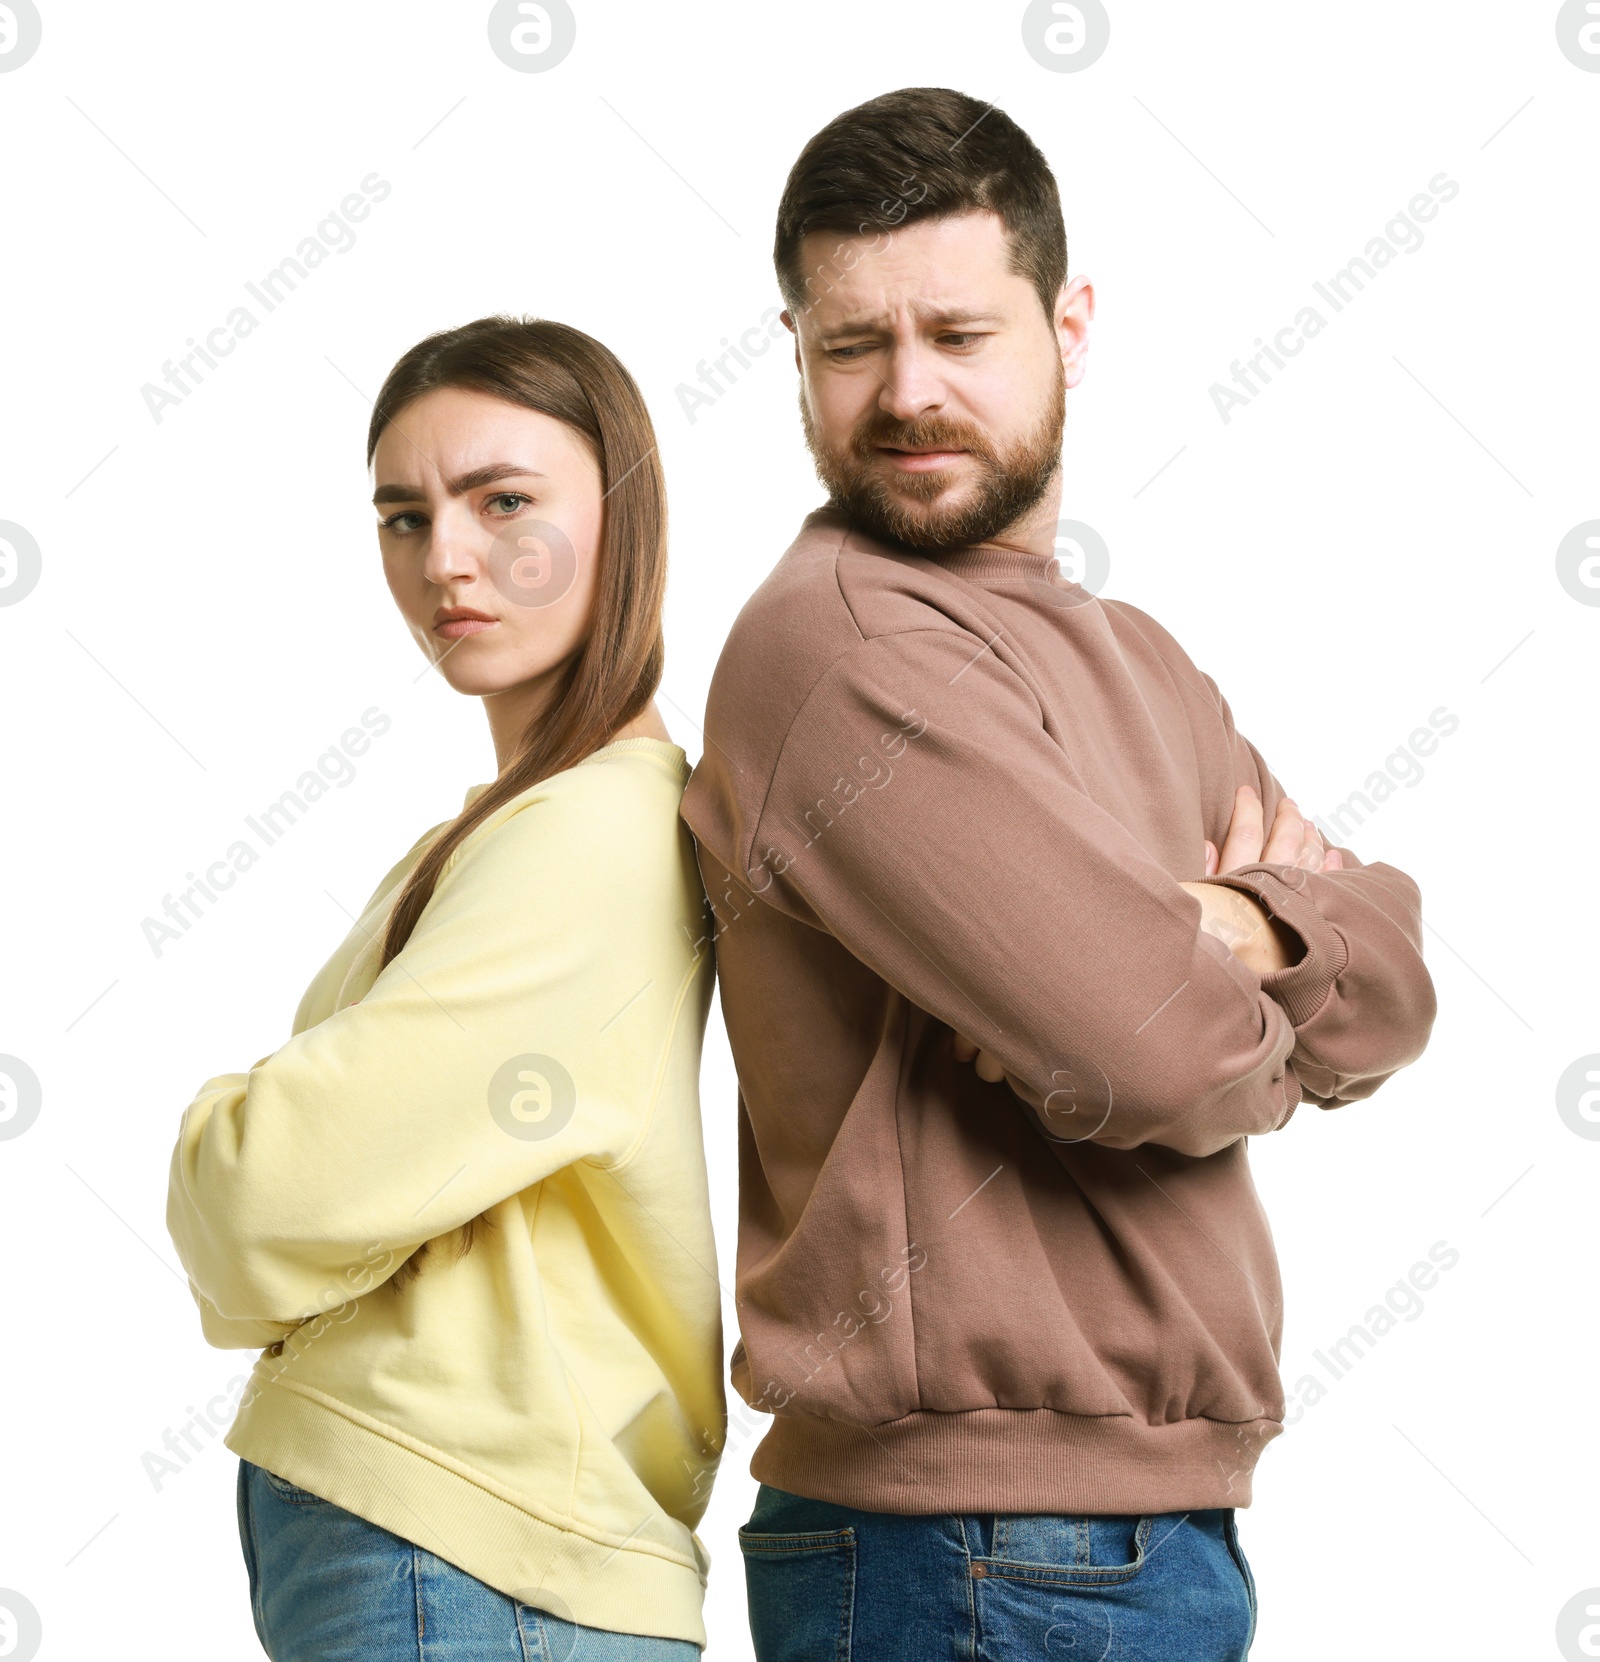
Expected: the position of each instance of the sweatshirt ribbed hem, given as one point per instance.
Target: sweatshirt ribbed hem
(599, 1582)
(1015, 1460)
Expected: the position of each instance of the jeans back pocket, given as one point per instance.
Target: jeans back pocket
(291, 1492)
(801, 1586)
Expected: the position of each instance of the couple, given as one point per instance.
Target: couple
(1019, 940)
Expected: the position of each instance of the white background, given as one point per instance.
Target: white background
(1372, 538)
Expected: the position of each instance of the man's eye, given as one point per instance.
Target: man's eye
(959, 339)
(846, 354)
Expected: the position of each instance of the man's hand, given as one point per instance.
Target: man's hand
(1294, 841)
(1237, 919)
(988, 1067)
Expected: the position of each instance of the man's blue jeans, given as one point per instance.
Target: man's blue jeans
(827, 1583)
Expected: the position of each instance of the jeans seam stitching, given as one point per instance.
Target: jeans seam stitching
(252, 1560)
(1236, 1552)
(1098, 1575)
(846, 1639)
(775, 1542)
(416, 1595)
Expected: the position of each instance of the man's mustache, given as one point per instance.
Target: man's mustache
(901, 436)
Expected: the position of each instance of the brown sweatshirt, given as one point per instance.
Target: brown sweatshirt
(948, 792)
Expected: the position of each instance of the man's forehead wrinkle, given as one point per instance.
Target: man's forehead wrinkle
(932, 309)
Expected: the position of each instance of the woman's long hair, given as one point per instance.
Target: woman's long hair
(613, 675)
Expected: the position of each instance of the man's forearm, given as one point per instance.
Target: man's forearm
(1258, 940)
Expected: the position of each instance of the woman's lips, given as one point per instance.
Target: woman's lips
(455, 628)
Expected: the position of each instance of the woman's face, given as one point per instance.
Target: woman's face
(489, 520)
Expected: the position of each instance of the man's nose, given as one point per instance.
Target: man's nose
(912, 384)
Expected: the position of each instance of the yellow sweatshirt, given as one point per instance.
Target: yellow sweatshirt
(547, 1411)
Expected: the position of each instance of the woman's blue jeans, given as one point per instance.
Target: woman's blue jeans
(827, 1583)
(327, 1586)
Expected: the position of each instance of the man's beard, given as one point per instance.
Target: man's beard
(901, 510)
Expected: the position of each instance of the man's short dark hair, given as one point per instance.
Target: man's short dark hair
(920, 153)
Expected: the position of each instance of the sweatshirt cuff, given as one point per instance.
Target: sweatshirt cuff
(1302, 989)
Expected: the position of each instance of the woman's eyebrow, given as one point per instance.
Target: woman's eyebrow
(462, 483)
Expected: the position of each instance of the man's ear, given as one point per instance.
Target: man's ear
(788, 322)
(1074, 309)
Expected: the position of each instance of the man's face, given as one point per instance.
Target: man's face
(932, 382)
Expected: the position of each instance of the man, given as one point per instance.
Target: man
(1018, 1322)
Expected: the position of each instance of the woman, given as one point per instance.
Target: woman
(464, 1207)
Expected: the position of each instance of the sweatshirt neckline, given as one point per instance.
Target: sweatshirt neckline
(984, 560)
(674, 755)
(660, 747)
(976, 560)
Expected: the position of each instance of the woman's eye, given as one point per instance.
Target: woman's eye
(515, 498)
(392, 523)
